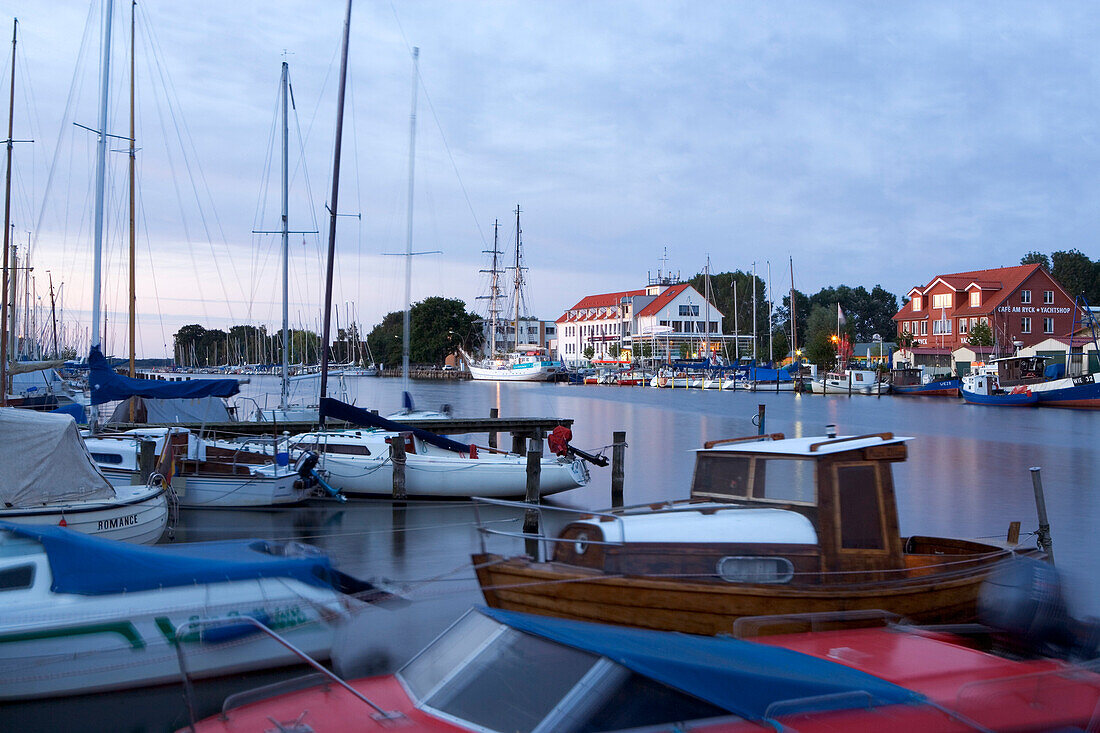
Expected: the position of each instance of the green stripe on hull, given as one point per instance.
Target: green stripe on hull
(125, 629)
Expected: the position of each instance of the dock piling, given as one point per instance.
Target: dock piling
(494, 413)
(531, 516)
(1041, 510)
(760, 418)
(618, 473)
(397, 457)
(147, 459)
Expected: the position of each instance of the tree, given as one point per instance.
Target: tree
(1036, 258)
(980, 335)
(437, 328)
(589, 352)
(1075, 272)
(722, 287)
(906, 339)
(384, 340)
(820, 348)
(187, 340)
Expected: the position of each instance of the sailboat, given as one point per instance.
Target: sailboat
(525, 362)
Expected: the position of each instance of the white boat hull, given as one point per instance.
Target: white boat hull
(834, 386)
(515, 373)
(77, 645)
(139, 514)
(197, 492)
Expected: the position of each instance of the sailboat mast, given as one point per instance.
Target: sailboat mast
(133, 273)
(494, 293)
(771, 304)
(706, 297)
(332, 214)
(7, 228)
(794, 331)
(409, 229)
(754, 288)
(100, 177)
(518, 285)
(736, 328)
(53, 316)
(285, 389)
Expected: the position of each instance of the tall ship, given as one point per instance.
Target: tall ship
(514, 361)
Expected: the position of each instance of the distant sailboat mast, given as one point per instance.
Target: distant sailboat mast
(518, 284)
(405, 329)
(100, 177)
(7, 229)
(284, 391)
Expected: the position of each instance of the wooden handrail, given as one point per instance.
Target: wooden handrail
(770, 436)
(834, 441)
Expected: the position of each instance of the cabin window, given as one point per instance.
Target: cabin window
(747, 569)
(733, 476)
(109, 458)
(860, 505)
(17, 578)
(726, 475)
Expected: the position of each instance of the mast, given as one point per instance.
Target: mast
(518, 285)
(494, 290)
(754, 288)
(409, 230)
(332, 213)
(100, 176)
(706, 297)
(133, 275)
(771, 304)
(794, 330)
(7, 223)
(53, 316)
(736, 329)
(284, 391)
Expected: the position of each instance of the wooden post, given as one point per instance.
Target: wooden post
(618, 473)
(760, 420)
(849, 382)
(397, 457)
(519, 444)
(1041, 510)
(531, 516)
(146, 460)
(494, 413)
(1013, 533)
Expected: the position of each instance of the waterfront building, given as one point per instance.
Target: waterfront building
(1022, 305)
(652, 322)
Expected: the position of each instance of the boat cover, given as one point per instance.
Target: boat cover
(739, 676)
(342, 411)
(171, 412)
(91, 566)
(43, 460)
(108, 386)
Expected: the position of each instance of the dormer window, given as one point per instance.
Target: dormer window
(916, 302)
(975, 298)
(942, 300)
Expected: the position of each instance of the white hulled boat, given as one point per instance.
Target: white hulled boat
(86, 615)
(48, 477)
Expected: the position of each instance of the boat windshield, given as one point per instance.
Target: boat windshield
(739, 477)
(495, 677)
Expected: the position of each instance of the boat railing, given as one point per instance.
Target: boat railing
(380, 715)
(483, 528)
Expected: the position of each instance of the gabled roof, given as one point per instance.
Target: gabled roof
(663, 299)
(1003, 280)
(603, 300)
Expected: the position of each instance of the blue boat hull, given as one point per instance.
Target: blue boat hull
(1024, 399)
(1082, 392)
(940, 387)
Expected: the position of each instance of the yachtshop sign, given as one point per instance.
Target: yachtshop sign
(1044, 309)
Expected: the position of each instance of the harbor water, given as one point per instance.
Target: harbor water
(967, 476)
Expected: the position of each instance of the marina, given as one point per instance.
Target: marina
(964, 477)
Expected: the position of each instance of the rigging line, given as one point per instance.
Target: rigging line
(182, 131)
(260, 214)
(446, 146)
(152, 269)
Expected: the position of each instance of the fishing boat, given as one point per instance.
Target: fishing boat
(921, 382)
(48, 477)
(860, 672)
(84, 614)
(359, 461)
(983, 386)
(774, 525)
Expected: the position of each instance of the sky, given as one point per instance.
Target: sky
(870, 143)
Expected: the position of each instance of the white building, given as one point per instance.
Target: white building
(650, 323)
(531, 331)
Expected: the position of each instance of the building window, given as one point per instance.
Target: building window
(689, 310)
(1048, 297)
(943, 300)
(975, 298)
(916, 302)
(1048, 325)
(714, 326)
(1025, 296)
(1025, 324)
(664, 323)
(676, 326)
(985, 320)
(924, 328)
(905, 326)
(940, 328)
(973, 322)
(962, 325)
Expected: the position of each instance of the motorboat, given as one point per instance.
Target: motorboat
(774, 525)
(1046, 384)
(850, 381)
(496, 670)
(923, 382)
(983, 387)
(202, 473)
(47, 476)
(85, 615)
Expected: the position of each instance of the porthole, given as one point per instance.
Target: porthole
(750, 569)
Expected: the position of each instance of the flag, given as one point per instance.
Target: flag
(840, 319)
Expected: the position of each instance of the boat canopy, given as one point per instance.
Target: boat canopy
(338, 410)
(85, 565)
(107, 386)
(740, 676)
(43, 460)
(172, 412)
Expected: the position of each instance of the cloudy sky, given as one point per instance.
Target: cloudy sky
(875, 143)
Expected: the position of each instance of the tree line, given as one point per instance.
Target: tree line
(1072, 269)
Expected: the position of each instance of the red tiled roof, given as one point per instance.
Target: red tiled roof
(662, 300)
(603, 300)
(1004, 280)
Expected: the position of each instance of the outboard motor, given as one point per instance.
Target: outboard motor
(1022, 599)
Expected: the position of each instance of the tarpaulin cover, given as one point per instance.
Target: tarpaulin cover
(108, 386)
(739, 676)
(43, 460)
(91, 566)
(172, 412)
(342, 411)
(73, 410)
(764, 374)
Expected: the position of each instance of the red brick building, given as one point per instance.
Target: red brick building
(1021, 303)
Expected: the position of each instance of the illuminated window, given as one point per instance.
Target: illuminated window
(975, 298)
(942, 300)
(916, 302)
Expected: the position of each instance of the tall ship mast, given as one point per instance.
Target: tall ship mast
(494, 297)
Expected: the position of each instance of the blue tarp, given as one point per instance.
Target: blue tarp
(107, 386)
(93, 566)
(739, 676)
(338, 410)
(73, 410)
(764, 374)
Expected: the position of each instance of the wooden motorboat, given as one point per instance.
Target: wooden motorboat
(917, 381)
(775, 525)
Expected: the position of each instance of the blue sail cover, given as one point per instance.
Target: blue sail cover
(92, 566)
(107, 386)
(739, 676)
(338, 410)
